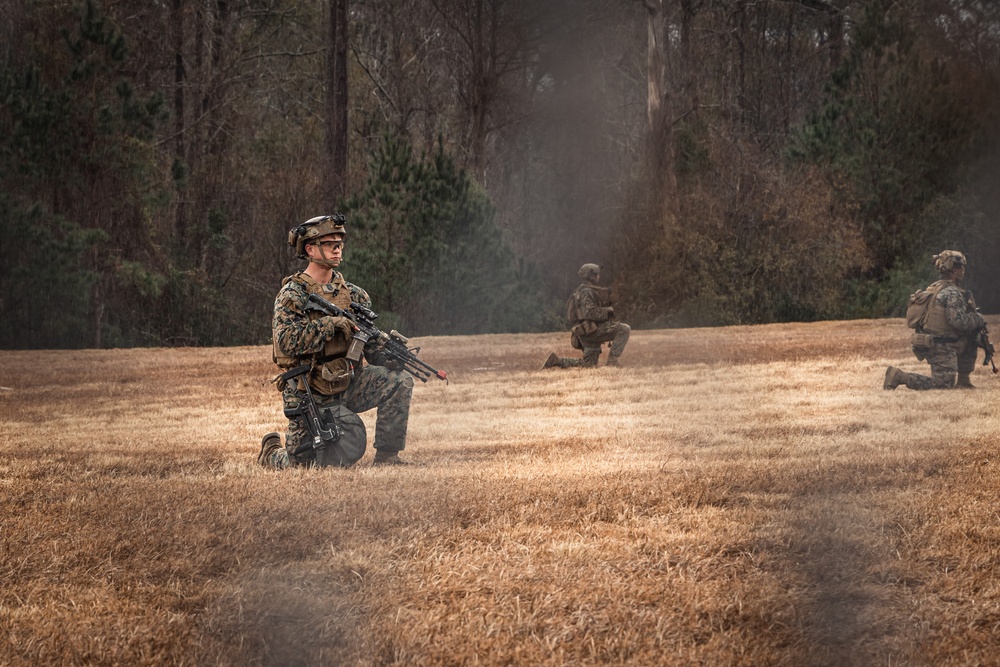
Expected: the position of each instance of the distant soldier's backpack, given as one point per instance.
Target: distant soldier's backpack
(920, 304)
(572, 309)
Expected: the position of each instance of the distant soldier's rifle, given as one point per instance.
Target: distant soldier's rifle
(983, 341)
(983, 335)
(393, 343)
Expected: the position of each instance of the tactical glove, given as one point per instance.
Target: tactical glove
(334, 324)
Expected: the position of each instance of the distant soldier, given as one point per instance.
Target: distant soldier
(591, 317)
(311, 341)
(946, 323)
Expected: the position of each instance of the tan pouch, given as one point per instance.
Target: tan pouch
(332, 377)
(922, 340)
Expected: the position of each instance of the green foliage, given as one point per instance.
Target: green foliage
(887, 297)
(894, 132)
(138, 277)
(174, 233)
(78, 162)
(422, 239)
(45, 284)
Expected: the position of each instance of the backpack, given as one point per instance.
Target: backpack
(572, 312)
(920, 304)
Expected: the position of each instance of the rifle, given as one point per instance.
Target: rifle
(320, 435)
(394, 343)
(983, 341)
(982, 335)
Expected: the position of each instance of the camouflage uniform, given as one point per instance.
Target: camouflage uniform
(370, 386)
(592, 319)
(945, 337)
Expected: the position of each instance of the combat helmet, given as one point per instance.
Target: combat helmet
(314, 228)
(588, 270)
(949, 260)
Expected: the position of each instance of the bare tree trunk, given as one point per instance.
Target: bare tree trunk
(213, 117)
(335, 176)
(180, 147)
(740, 33)
(480, 91)
(687, 66)
(660, 147)
(97, 313)
(836, 38)
(654, 61)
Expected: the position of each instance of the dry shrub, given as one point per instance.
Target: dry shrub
(735, 496)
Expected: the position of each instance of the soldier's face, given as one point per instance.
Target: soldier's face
(959, 271)
(330, 248)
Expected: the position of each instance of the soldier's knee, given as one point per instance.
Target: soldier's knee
(946, 380)
(406, 381)
(402, 389)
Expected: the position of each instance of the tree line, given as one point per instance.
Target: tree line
(726, 161)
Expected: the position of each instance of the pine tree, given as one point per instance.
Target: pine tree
(425, 243)
(76, 155)
(893, 132)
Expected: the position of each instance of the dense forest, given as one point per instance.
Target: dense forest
(726, 161)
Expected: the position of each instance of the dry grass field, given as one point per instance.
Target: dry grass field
(734, 496)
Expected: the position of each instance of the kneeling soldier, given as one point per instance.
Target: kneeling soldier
(592, 320)
(946, 323)
(312, 348)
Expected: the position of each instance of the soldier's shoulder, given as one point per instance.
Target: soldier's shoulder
(951, 289)
(293, 292)
(359, 295)
(952, 295)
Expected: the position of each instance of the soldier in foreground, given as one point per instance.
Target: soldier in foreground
(312, 348)
(947, 325)
(591, 317)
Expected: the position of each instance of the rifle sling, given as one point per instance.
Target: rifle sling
(305, 368)
(295, 372)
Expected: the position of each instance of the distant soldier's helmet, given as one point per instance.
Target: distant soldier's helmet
(314, 228)
(949, 260)
(588, 270)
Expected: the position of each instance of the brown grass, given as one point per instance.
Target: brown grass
(737, 496)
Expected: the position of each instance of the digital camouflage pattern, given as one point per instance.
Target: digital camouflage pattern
(952, 313)
(952, 324)
(947, 362)
(591, 303)
(591, 317)
(616, 333)
(374, 387)
(302, 337)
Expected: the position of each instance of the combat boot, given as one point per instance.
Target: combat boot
(893, 378)
(553, 360)
(268, 445)
(965, 381)
(387, 458)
